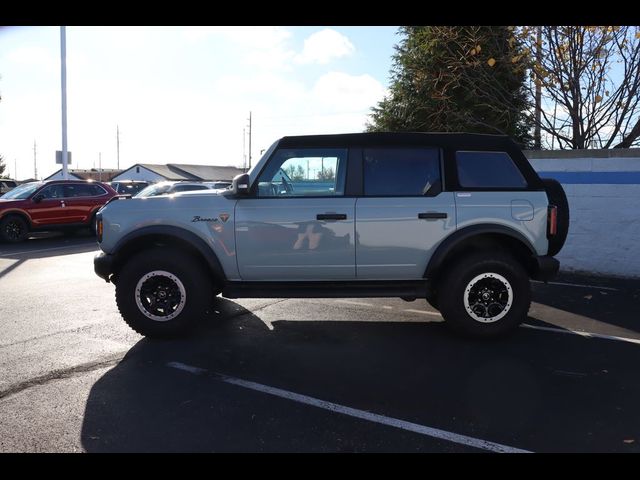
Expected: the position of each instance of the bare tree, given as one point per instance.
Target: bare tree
(590, 84)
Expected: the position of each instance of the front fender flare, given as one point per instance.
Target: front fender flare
(179, 233)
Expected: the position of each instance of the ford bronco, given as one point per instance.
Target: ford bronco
(461, 220)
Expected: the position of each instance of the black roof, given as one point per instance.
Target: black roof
(458, 140)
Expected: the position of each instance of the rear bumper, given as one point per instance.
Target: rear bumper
(102, 265)
(545, 267)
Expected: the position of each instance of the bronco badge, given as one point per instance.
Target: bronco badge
(198, 218)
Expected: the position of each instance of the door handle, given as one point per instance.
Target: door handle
(62, 204)
(331, 216)
(432, 215)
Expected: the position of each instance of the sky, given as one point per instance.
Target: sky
(183, 94)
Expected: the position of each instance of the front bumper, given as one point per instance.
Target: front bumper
(545, 268)
(102, 265)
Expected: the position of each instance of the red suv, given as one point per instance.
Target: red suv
(52, 205)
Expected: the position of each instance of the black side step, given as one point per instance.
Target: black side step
(342, 289)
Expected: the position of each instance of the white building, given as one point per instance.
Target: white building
(173, 171)
(101, 175)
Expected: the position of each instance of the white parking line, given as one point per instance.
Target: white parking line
(351, 302)
(582, 334)
(525, 325)
(424, 312)
(353, 412)
(578, 285)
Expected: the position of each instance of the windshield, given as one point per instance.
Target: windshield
(153, 190)
(21, 192)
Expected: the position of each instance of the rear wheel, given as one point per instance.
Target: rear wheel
(13, 229)
(163, 292)
(485, 294)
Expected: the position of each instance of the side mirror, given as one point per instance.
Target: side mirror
(38, 198)
(240, 184)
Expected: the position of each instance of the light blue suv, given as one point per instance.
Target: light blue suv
(461, 220)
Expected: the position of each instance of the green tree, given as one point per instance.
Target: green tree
(457, 79)
(327, 174)
(295, 172)
(3, 167)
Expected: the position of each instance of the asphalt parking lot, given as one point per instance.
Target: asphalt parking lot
(319, 375)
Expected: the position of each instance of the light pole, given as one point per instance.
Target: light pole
(63, 75)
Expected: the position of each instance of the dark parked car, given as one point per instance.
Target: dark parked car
(129, 187)
(6, 185)
(52, 205)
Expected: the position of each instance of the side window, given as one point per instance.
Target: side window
(78, 190)
(96, 190)
(52, 191)
(187, 188)
(390, 172)
(304, 172)
(488, 170)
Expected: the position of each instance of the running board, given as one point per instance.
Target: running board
(341, 289)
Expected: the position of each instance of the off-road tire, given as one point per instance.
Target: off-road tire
(456, 283)
(179, 265)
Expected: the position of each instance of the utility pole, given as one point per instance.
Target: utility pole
(15, 169)
(63, 77)
(35, 163)
(249, 140)
(537, 134)
(118, 144)
(244, 150)
(100, 166)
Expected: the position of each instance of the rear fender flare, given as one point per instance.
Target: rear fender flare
(464, 234)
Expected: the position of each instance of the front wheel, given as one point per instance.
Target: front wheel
(485, 294)
(13, 229)
(163, 292)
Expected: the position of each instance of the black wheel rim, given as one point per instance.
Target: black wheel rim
(13, 230)
(160, 295)
(488, 297)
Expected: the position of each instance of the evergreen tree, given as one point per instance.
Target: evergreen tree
(457, 79)
(3, 167)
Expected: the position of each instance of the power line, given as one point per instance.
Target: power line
(360, 112)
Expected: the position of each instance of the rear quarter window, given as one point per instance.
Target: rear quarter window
(488, 170)
(392, 172)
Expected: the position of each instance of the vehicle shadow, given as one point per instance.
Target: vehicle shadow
(532, 390)
(49, 246)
